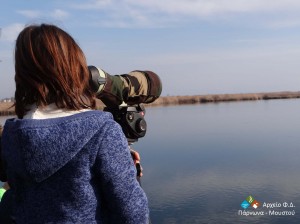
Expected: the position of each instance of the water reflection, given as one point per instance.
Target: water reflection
(202, 161)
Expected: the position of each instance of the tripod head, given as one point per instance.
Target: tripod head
(131, 118)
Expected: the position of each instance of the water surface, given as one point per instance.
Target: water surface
(201, 161)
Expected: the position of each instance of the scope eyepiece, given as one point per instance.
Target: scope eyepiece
(97, 79)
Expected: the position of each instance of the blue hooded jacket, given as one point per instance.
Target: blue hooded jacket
(74, 169)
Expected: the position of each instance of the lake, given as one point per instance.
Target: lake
(202, 162)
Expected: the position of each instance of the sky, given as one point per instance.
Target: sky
(195, 46)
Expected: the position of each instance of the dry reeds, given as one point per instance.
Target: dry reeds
(8, 109)
(215, 98)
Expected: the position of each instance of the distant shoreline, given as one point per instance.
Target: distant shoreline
(7, 109)
(215, 98)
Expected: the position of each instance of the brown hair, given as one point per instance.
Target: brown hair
(50, 68)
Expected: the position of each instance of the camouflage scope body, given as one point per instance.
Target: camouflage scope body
(133, 88)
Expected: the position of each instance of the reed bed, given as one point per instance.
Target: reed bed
(215, 98)
(8, 109)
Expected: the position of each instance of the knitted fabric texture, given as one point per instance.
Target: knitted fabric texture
(75, 169)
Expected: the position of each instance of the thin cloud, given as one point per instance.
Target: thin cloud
(11, 32)
(212, 7)
(157, 13)
(32, 14)
(284, 23)
(59, 14)
(36, 14)
(194, 7)
(95, 4)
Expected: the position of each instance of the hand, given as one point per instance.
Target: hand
(136, 159)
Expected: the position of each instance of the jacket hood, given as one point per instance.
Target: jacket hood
(44, 146)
